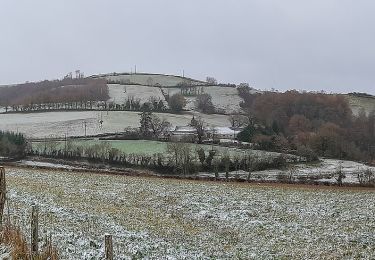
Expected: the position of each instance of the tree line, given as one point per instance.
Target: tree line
(312, 124)
(180, 158)
(46, 94)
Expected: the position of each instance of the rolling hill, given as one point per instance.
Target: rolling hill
(147, 86)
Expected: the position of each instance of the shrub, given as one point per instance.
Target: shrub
(177, 102)
(339, 175)
(367, 178)
(204, 104)
(307, 153)
(15, 239)
(12, 144)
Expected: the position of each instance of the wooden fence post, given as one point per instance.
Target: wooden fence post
(108, 247)
(34, 231)
(2, 194)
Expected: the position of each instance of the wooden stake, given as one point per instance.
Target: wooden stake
(108, 247)
(2, 193)
(34, 232)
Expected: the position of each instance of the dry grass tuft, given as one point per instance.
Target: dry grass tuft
(13, 237)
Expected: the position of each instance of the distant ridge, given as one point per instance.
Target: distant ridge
(145, 74)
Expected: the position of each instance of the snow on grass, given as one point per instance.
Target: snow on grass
(50, 117)
(5, 252)
(46, 165)
(173, 219)
(323, 172)
(190, 101)
(120, 93)
(361, 103)
(224, 98)
(40, 125)
(172, 91)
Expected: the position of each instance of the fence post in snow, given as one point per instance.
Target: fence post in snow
(2, 193)
(34, 231)
(108, 247)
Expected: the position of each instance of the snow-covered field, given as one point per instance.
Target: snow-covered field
(323, 172)
(39, 125)
(46, 165)
(224, 98)
(190, 101)
(361, 103)
(173, 219)
(119, 94)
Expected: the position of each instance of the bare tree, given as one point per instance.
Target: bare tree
(367, 177)
(51, 144)
(211, 81)
(250, 165)
(150, 81)
(226, 161)
(339, 174)
(201, 156)
(204, 103)
(199, 125)
(145, 122)
(216, 163)
(238, 120)
(177, 102)
(244, 85)
(158, 126)
(181, 154)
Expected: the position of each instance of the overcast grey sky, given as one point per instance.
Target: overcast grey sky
(282, 44)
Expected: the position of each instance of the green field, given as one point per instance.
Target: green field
(136, 146)
(155, 147)
(132, 146)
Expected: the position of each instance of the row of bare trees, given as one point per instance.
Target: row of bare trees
(45, 94)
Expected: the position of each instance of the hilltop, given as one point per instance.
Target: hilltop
(144, 87)
(148, 79)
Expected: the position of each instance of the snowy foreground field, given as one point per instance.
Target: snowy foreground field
(171, 219)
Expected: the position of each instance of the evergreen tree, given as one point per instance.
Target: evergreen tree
(145, 121)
